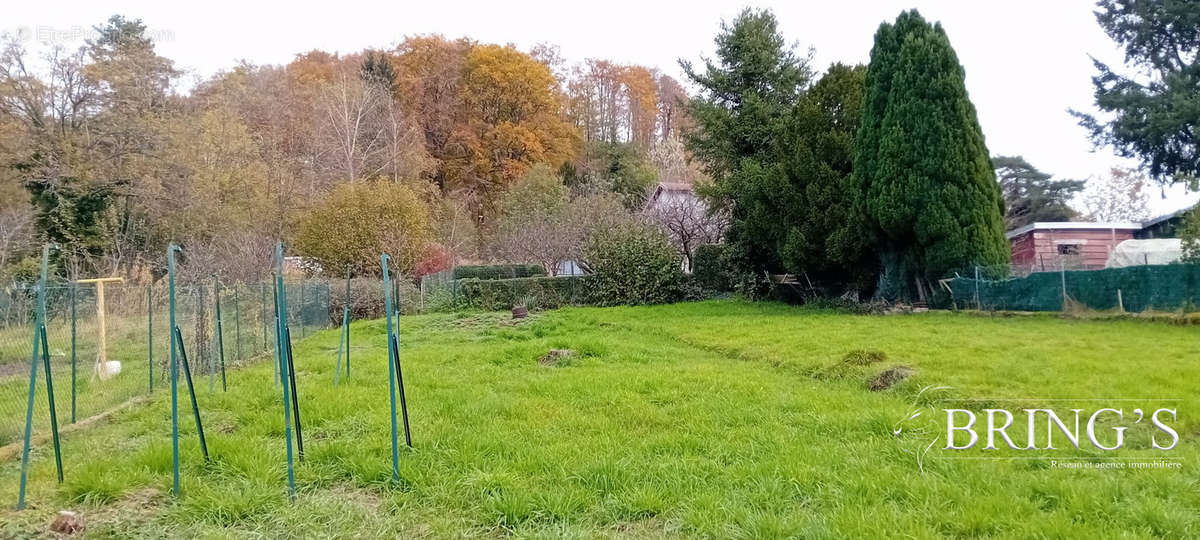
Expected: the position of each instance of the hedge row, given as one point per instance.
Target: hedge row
(366, 298)
(499, 271)
(554, 292)
(534, 292)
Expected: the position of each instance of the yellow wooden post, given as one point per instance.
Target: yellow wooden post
(102, 357)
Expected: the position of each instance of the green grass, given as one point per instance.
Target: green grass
(715, 419)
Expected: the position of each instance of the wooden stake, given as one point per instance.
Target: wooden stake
(102, 357)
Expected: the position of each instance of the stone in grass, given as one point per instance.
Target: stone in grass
(861, 357)
(555, 356)
(67, 522)
(890, 377)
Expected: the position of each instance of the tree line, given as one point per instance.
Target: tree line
(101, 154)
(868, 180)
(875, 181)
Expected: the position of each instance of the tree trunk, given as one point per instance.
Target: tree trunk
(920, 288)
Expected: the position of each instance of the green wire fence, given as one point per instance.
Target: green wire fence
(222, 325)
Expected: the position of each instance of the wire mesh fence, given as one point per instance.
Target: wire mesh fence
(109, 343)
(1147, 287)
(108, 347)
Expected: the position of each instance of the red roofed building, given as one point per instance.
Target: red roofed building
(1046, 246)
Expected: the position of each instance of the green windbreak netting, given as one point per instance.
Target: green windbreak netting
(1169, 287)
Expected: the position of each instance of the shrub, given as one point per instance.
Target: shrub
(499, 271)
(358, 221)
(1189, 232)
(713, 269)
(633, 264)
(366, 299)
(540, 292)
(434, 259)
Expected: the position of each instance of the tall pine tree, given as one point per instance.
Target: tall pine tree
(1031, 195)
(924, 180)
(742, 109)
(1151, 113)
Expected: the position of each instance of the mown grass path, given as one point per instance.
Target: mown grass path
(716, 419)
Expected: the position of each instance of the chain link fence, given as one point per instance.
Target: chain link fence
(103, 355)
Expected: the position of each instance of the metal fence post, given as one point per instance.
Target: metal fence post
(344, 336)
(280, 354)
(237, 323)
(150, 333)
(187, 374)
(1062, 269)
(262, 313)
(38, 335)
(300, 312)
(171, 326)
(387, 312)
(50, 397)
(346, 318)
(200, 326)
(220, 332)
(280, 319)
(73, 353)
(977, 304)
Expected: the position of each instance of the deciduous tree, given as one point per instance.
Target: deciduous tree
(357, 221)
(514, 116)
(429, 71)
(1120, 196)
(688, 225)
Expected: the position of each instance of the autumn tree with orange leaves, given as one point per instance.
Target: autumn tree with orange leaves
(233, 161)
(513, 116)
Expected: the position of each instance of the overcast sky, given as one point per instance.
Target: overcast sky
(1026, 60)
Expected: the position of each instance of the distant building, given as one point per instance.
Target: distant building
(294, 266)
(1047, 246)
(666, 194)
(685, 218)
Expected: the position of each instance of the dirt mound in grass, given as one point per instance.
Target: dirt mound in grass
(851, 366)
(860, 357)
(67, 523)
(556, 357)
(890, 377)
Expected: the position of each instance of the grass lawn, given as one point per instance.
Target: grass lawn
(717, 419)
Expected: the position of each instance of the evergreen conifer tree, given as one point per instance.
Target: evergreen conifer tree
(923, 179)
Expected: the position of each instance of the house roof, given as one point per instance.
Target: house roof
(678, 187)
(1165, 217)
(1072, 225)
(674, 186)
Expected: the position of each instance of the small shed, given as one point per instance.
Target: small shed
(1045, 246)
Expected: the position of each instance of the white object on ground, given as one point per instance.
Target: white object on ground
(108, 370)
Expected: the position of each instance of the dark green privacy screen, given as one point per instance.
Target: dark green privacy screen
(1169, 287)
